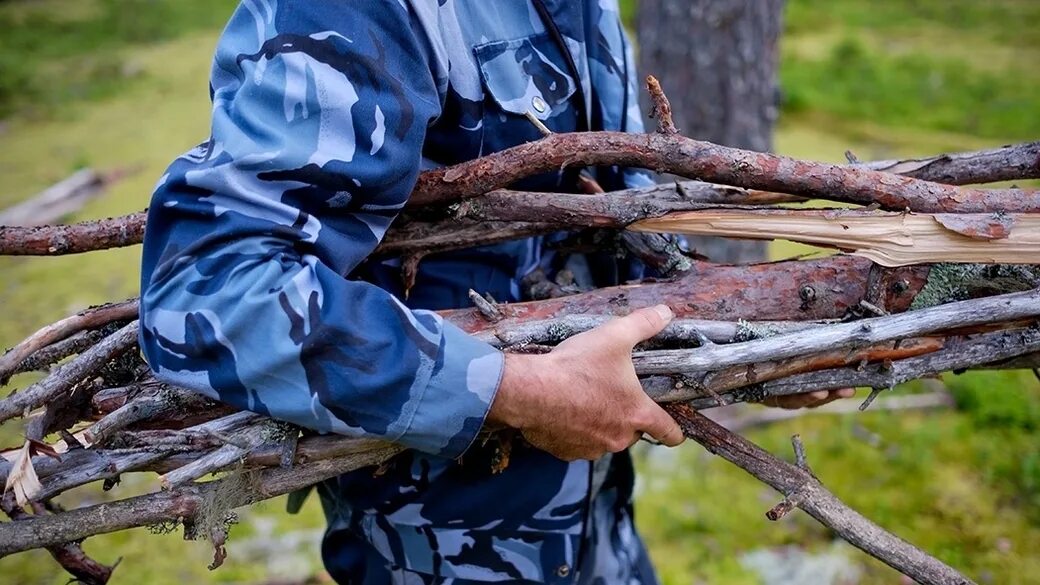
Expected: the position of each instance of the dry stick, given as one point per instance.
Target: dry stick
(763, 416)
(661, 108)
(716, 164)
(996, 309)
(68, 375)
(970, 353)
(235, 451)
(84, 466)
(69, 555)
(128, 230)
(92, 318)
(136, 409)
(717, 387)
(799, 486)
(183, 503)
(53, 354)
(72, 239)
(665, 152)
(1007, 163)
(553, 331)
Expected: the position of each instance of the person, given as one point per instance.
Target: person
(257, 288)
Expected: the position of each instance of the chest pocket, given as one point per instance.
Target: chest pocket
(520, 76)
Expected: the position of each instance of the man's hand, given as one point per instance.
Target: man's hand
(809, 399)
(583, 399)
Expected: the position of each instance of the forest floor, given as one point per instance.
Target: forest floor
(121, 84)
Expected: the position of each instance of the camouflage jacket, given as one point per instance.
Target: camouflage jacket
(256, 289)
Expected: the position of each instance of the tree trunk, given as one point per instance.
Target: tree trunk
(717, 61)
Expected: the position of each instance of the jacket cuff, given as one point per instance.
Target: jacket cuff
(458, 396)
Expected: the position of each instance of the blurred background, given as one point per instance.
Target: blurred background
(120, 87)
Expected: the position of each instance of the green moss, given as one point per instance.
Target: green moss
(957, 282)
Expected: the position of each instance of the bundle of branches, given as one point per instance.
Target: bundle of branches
(937, 278)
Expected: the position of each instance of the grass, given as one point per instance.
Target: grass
(963, 485)
(57, 52)
(123, 85)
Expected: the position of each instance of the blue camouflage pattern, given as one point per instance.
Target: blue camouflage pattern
(257, 289)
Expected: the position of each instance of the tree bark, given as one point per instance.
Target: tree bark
(717, 60)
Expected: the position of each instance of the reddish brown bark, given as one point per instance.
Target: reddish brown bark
(52, 240)
(717, 164)
(826, 288)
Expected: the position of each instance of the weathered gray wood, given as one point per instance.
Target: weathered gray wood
(553, 331)
(1013, 162)
(65, 377)
(183, 503)
(989, 310)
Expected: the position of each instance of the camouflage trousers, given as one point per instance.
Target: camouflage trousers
(614, 554)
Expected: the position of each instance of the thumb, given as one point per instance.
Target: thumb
(638, 325)
(663, 427)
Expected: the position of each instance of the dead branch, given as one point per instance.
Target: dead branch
(72, 239)
(66, 376)
(1014, 162)
(92, 318)
(990, 348)
(183, 503)
(444, 234)
(806, 290)
(804, 490)
(69, 555)
(747, 419)
(991, 310)
(716, 164)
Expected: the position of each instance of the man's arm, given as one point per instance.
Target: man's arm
(319, 115)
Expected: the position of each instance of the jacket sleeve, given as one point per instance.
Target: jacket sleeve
(319, 114)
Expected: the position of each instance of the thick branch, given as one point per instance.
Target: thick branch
(717, 164)
(76, 238)
(826, 288)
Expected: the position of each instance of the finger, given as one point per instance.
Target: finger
(638, 325)
(846, 392)
(796, 401)
(661, 426)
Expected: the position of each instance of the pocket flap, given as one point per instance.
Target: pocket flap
(526, 75)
